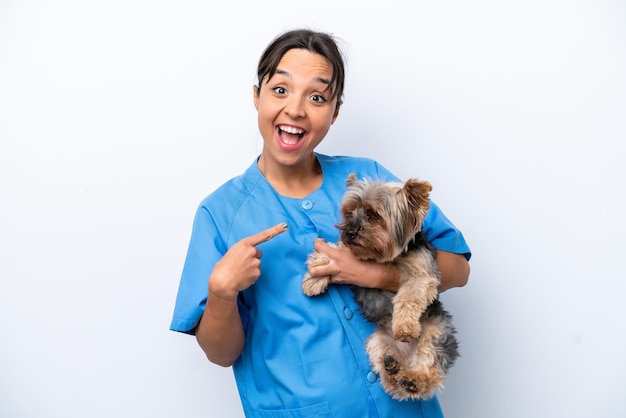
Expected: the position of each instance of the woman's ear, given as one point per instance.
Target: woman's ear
(335, 114)
(339, 103)
(255, 93)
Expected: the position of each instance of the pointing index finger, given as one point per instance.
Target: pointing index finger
(268, 234)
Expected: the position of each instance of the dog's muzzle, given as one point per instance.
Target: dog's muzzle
(352, 234)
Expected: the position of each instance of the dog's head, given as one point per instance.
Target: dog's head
(379, 219)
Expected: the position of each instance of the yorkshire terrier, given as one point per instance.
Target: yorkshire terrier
(414, 343)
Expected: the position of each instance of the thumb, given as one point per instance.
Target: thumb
(320, 245)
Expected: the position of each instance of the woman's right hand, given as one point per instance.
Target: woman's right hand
(240, 267)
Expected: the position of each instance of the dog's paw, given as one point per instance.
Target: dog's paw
(312, 286)
(391, 364)
(405, 321)
(420, 384)
(317, 259)
(408, 384)
(405, 328)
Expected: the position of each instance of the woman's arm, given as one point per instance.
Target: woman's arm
(220, 332)
(454, 270)
(347, 269)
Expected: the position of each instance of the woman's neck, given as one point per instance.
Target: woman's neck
(296, 181)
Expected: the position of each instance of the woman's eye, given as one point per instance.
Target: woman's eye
(279, 90)
(317, 98)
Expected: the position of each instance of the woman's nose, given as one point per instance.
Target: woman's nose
(295, 108)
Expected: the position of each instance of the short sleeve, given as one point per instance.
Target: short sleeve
(442, 234)
(206, 248)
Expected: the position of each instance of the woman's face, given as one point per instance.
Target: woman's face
(295, 110)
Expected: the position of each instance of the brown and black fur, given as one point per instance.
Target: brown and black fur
(414, 343)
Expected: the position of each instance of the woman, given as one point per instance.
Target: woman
(295, 356)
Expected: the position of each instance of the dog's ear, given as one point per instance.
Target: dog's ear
(351, 179)
(417, 193)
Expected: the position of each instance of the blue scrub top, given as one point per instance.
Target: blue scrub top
(303, 356)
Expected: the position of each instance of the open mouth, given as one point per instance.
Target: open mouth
(290, 135)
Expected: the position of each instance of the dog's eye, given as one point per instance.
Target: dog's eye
(373, 215)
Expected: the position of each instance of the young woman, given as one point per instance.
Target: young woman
(240, 291)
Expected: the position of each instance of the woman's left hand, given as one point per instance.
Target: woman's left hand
(345, 268)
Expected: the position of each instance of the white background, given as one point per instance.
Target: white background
(118, 117)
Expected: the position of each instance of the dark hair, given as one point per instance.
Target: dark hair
(317, 42)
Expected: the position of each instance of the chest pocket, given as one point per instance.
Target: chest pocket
(320, 410)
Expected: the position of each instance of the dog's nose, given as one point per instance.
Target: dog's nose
(352, 234)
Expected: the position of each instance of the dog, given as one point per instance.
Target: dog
(414, 343)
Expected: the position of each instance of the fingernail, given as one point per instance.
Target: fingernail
(285, 226)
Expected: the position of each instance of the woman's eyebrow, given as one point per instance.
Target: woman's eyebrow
(317, 79)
